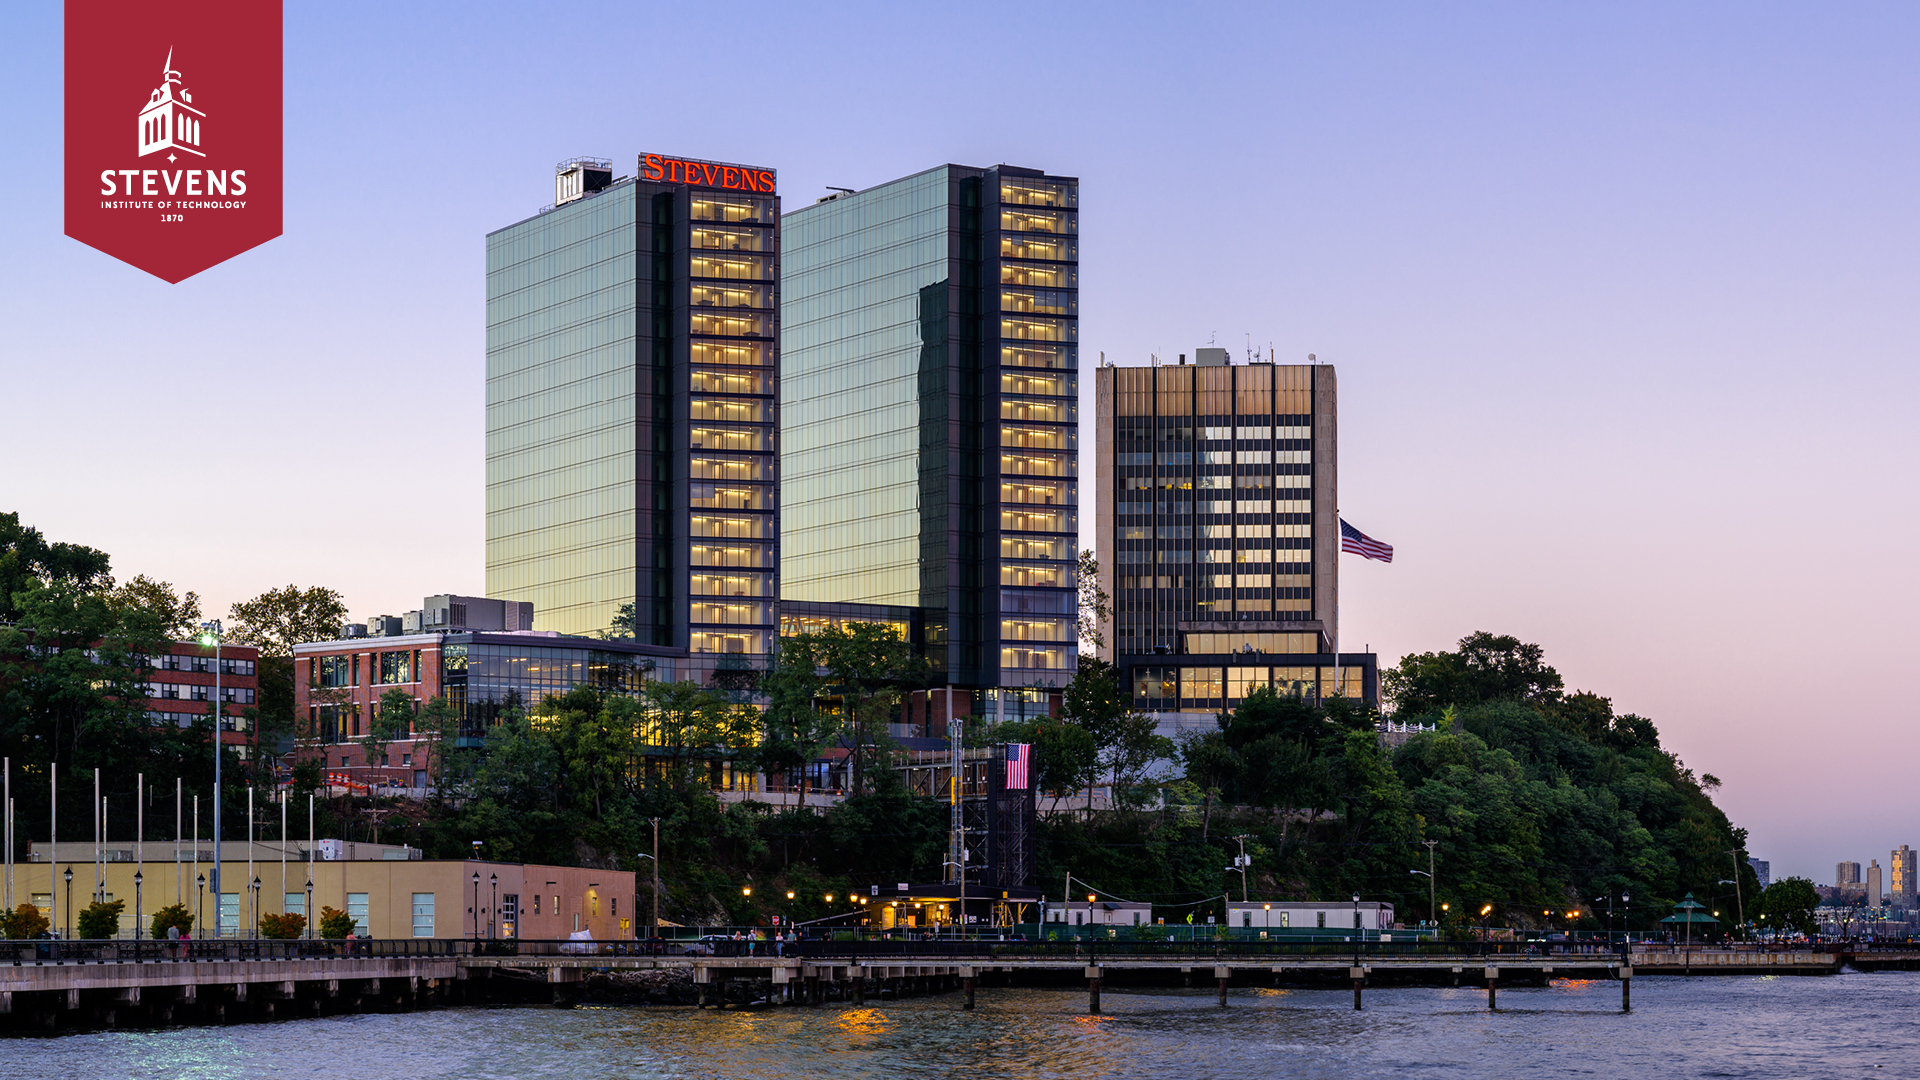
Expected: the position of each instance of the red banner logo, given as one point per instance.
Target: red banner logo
(173, 130)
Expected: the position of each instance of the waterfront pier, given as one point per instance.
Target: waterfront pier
(52, 986)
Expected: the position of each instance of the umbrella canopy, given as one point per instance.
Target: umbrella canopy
(1689, 911)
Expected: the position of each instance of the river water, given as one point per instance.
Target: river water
(1847, 1025)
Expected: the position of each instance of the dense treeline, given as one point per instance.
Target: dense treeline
(1525, 797)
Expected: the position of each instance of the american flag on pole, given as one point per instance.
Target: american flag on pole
(1352, 539)
(1018, 754)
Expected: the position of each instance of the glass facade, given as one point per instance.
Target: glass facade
(928, 413)
(480, 675)
(632, 361)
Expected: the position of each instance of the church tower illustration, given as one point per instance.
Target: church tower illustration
(169, 121)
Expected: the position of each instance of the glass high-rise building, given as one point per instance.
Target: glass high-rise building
(1217, 531)
(928, 414)
(632, 361)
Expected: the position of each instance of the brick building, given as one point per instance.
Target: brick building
(338, 686)
(182, 687)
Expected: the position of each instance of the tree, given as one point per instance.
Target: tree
(22, 923)
(1788, 904)
(391, 722)
(278, 619)
(101, 919)
(334, 923)
(274, 622)
(283, 927)
(1487, 667)
(863, 666)
(622, 625)
(171, 917)
(1095, 609)
(1065, 756)
(26, 558)
(175, 615)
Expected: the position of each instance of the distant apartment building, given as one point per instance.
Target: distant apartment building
(1218, 534)
(632, 362)
(929, 423)
(181, 690)
(1846, 873)
(1876, 896)
(1900, 883)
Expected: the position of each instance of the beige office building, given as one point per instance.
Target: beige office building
(1218, 533)
(387, 897)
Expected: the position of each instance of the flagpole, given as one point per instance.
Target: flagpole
(1339, 541)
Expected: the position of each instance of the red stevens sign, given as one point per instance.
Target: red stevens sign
(712, 174)
(173, 130)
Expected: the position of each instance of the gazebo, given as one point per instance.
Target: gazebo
(1688, 912)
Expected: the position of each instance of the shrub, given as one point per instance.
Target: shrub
(170, 916)
(334, 923)
(283, 927)
(23, 922)
(101, 919)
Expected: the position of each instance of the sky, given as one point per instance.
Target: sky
(1620, 297)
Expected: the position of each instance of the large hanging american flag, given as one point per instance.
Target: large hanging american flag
(1017, 757)
(1352, 539)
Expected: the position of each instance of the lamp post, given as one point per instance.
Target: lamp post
(69, 877)
(309, 911)
(1430, 912)
(200, 901)
(256, 906)
(210, 634)
(493, 909)
(1357, 934)
(656, 874)
(475, 909)
(139, 904)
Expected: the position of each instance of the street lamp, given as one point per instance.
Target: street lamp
(199, 903)
(475, 909)
(139, 904)
(211, 635)
(1357, 933)
(69, 875)
(308, 914)
(256, 906)
(493, 881)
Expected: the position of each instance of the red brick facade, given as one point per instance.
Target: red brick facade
(181, 685)
(336, 691)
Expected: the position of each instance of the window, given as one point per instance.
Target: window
(229, 913)
(1246, 918)
(423, 914)
(295, 903)
(1320, 919)
(357, 910)
(536, 903)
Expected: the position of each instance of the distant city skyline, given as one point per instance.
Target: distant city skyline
(1620, 300)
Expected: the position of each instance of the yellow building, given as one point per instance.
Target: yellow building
(387, 898)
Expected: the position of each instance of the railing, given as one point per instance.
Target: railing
(1364, 950)
(161, 950)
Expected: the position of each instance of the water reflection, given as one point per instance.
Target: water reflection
(1728, 1025)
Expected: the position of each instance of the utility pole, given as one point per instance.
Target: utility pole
(1240, 863)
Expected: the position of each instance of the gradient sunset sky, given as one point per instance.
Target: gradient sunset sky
(1621, 299)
